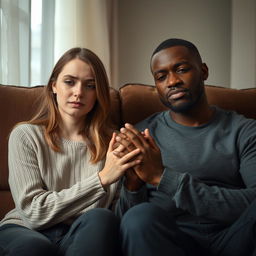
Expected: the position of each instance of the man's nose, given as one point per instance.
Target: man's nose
(173, 79)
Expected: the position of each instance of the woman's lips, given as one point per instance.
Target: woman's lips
(76, 104)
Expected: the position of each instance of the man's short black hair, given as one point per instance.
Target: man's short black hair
(176, 42)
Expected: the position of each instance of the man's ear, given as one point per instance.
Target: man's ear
(205, 71)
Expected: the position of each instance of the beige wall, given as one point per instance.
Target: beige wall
(143, 24)
(223, 30)
(243, 50)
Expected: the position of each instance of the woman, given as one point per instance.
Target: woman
(61, 182)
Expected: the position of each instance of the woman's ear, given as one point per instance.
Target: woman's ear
(54, 87)
(205, 71)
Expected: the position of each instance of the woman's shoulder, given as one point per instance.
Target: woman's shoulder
(26, 130)
(27, 127)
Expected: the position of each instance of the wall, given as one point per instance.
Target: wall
(243, 57)
(143, 24)
(82, 23)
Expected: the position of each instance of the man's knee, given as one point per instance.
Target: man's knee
(141, 217)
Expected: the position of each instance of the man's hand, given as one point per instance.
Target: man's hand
(151, 168)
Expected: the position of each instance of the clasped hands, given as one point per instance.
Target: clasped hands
(149, 168)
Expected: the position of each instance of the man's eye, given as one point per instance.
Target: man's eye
(69, 82)
(160, 78)
(182, 70)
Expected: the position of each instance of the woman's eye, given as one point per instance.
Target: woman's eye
(69, 82)
(90, 86)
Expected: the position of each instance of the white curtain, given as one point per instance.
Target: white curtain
(89, 24)
(14, 41)
(28, 51)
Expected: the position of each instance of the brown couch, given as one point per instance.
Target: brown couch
(132, 103)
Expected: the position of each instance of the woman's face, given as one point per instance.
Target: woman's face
(75, 90)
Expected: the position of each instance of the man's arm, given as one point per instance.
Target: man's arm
(190, 194)
(128, 199)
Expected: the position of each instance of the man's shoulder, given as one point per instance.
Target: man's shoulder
(236, 120)
(231, 114)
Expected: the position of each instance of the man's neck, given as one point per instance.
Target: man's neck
(195, 117)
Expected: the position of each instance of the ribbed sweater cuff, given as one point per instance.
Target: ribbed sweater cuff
(92, 182)
(169, 182)
(134, 196)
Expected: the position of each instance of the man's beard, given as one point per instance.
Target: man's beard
(185, 106)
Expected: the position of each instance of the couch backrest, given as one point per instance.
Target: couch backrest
(139, 101)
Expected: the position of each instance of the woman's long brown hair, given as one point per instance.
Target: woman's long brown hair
(96, 122)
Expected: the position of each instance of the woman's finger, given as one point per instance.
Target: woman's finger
(130, 155)
(112, 142)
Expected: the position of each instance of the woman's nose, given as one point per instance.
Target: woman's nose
(78, 90)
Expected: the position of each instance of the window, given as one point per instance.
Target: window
(26, 41)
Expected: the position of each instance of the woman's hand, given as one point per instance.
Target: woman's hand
(117, 163)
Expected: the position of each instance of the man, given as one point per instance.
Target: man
(194, 192)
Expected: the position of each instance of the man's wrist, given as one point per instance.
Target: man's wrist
(133, 186)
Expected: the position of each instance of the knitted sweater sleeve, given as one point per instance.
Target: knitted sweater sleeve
(38, 206)
(216, 203)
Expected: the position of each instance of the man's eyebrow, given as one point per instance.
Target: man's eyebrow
(159, 71)
(174, 66)
(180, 63)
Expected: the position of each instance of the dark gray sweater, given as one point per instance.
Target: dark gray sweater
(210, 170)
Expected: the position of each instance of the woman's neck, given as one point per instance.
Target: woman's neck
(74, 131)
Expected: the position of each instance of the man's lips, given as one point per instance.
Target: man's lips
(175, 93)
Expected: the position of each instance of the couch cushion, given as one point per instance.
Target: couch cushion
(139, 101)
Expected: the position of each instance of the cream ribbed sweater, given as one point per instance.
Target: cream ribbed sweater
(50, 187)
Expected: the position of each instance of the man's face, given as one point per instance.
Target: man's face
(179, 77)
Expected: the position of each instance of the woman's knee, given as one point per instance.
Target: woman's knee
(18, 240)
(97, 220)
(97, 226)
(100, 216)
(31, 246)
